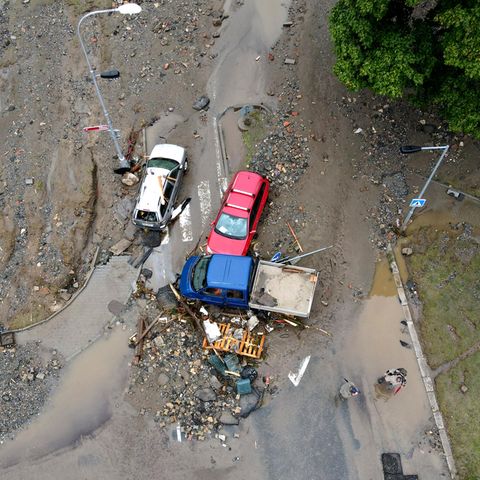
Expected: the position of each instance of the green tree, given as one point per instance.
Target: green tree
(429, 51)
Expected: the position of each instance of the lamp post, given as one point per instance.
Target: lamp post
(125, 9)
(407, 149)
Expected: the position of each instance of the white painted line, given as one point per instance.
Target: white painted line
(222, 180)
(295, 378)
(205, 201)
(166, 237)
(186, 224)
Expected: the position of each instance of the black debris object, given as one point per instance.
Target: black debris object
(201, 103)
(249, 372)
(392, 464)
(405, 344)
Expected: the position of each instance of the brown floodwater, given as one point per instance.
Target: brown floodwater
(378, 420)
(383, 284)
(81, 404)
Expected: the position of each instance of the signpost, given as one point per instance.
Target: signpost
(417, 202)
(96, 128)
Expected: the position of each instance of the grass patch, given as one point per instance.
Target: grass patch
(35, 314)
(255, 134)
(446, 268)
(460, 412)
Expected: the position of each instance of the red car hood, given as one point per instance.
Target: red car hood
(228, 246)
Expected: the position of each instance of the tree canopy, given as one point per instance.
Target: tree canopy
(428, 51)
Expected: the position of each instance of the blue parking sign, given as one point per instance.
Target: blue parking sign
(417, 202)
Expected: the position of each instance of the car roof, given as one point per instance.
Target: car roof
(150, 189)
(167, 150)
(229, 271)
(244, 188)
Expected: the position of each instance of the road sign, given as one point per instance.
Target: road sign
(96, 128)
(417, 202)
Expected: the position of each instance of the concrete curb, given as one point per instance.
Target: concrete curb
(422, 364)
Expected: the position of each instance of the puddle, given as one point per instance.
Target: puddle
(79, 406)
(452, 212)
(253, 29)
(376, 337)
(383, 283)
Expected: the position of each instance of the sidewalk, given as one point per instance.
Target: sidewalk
(81, 322)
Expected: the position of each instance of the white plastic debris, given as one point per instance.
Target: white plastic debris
(212, 331)
(253, 321)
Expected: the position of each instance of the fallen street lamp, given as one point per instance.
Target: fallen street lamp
(126, 9)
(407, 149)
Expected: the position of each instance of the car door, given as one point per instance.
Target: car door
(214, 295)
(255, 213)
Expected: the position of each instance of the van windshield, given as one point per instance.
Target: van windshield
(199, 274)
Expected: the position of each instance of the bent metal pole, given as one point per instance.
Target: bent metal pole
(427, 183)
(124, 165)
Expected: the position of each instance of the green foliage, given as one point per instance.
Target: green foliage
(430, 50)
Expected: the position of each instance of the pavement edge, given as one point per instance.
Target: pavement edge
(422, 364)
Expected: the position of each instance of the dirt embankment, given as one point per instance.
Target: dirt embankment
(58, 195)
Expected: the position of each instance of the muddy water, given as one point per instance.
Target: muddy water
(379, 421)
(447, 211)
(253, 29)
(82, 403)
(383, 284)
(233, 140)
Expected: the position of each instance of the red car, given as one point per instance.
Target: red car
(242, 206)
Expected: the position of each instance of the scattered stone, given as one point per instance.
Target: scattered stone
(463, 388)
(163, 379)
(29, 181)
(407, 251)
(129, 179)
(289, 61)
(201, 103)
(120, 246)
(248, 404)
(227, 418)
(215, 383)
(206, 395)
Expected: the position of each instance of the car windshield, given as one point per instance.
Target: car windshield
(147, 216)
(199, 274)
(231, 226)
(165, 163)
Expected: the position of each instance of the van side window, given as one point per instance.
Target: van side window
(256, 204)
(216, 292)
(235, 294)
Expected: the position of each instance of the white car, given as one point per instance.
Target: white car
(160, 185)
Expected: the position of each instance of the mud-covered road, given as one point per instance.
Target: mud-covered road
(336, 174)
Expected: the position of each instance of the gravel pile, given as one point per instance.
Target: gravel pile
(27, 376)
(180, 385)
